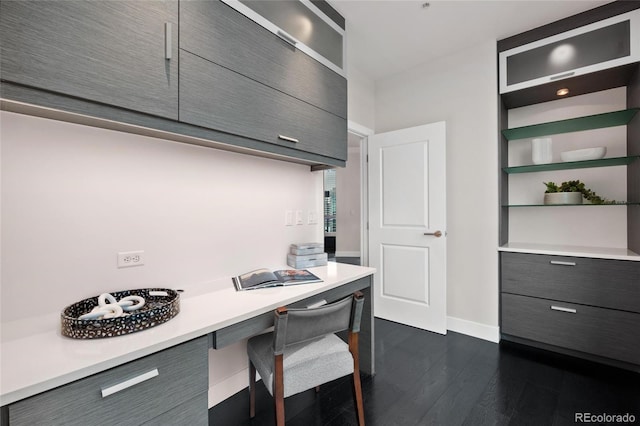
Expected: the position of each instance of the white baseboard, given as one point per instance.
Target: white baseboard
(228, 387)
(474, 329)
(347, 254)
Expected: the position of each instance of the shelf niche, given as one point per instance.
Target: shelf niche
(590, 122)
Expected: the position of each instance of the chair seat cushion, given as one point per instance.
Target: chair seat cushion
(306, 365)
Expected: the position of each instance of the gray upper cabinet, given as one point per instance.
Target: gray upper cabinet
(112, 52)
(601, 45)
(216, 97)
(214, 31)
(237, 77)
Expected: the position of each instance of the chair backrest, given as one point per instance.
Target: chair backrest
(300, 325)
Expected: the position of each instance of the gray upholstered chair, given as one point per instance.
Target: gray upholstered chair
(303, 352)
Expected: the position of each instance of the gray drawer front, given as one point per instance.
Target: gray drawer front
(192, 413)
(183, 375)
(604, 332)
(215, 31)
(606, 283)
(104, 51)
(258, 324)
(215, 97)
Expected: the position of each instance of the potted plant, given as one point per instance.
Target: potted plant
(571, 192)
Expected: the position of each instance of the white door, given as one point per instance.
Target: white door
(407, 225)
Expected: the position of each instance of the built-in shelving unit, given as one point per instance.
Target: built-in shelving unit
(569, 276)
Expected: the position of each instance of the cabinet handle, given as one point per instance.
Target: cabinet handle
(167, 40)
(286, 37)
(561, 309)
(568, 74)
(128, 383)
(558, 262)
(287, 138)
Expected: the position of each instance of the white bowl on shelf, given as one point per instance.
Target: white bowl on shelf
(584, 154)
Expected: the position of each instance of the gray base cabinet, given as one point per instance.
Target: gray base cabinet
(112, 52)
(178, 392)
(590, 306)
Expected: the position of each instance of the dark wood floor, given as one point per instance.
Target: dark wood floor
(428, 379)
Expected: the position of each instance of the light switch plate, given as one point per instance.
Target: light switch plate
(312, 217)
(299, 220)
(288, 218)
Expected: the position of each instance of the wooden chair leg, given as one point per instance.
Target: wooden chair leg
(357, 388)
(278, 389)
(252, 390)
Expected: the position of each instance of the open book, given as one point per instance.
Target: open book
(262, 278)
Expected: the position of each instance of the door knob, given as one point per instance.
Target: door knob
(436, 234)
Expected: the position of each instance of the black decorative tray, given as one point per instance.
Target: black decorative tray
(156, 310)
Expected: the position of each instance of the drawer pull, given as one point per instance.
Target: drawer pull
(558, 262)
(568, 74)
(561, 309)
(287, 138)
(167, 40)
(128, 383)
(286, 37)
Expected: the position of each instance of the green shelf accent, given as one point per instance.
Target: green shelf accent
(603, 162)
(598, 121)
(571, 205)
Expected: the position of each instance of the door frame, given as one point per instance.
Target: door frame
(363, 132)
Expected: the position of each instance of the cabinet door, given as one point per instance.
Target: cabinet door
(129, 394)
(597, 282)
(605, 44)
(111, 52)
(604, 332)
(218, 33)
(215, 97)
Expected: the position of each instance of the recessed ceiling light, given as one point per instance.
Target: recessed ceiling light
(562, 92)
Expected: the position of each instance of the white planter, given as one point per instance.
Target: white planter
(563, 198)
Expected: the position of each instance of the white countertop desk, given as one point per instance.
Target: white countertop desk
(35, 357)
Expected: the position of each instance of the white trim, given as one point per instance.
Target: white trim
(228, 387)
(347, 254)
(358, 129)
(474, 329)
(363, 132)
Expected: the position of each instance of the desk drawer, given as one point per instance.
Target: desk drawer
(604, 332)
(259, 323)
(182, 374)
(611, 284)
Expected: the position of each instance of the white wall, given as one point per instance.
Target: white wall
(348, 206)
(73, 196)
(461, 90)
(360, 98)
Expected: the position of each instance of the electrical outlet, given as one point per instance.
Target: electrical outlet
(127, 259)
(288, 217)
(299, 220)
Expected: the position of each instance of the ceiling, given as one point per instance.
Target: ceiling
(385, 37)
